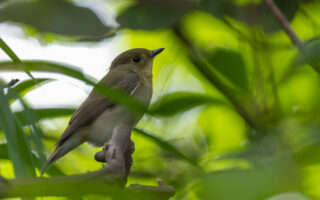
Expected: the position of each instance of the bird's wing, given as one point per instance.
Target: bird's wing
(96, 104)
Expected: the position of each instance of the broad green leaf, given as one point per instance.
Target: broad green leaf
(220, 8)
(26, 86)
(58, 17)
(231, 65)
(260, 182)
(18, 147)
(166, 145)
(310, 55)
(155, 15)
(181, 101)
(4, 151)
(251, 13)
(43, 66)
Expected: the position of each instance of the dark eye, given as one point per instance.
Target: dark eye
(136, 59)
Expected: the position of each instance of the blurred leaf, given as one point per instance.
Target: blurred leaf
(43, 66)
(45, 113)
(231, 65)
(153, 15)
(251, 13)
(12, 55)
(8, 51)
(166, 145)
(55, 16)
(18, 146)
(276, 176)
(26, 86)
(181, 101)
(4, 151)
(220, 8)
(310, 55)
(53, 171)
(289, 196)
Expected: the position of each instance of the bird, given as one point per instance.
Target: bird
(96, 118)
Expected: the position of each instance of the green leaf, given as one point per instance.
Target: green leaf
(181, 101)
(310, 55)
(43, 66)
(166, 145)
(4, 151)
(155, 15)
(26, 86)
(18, 147)
(12, 55)
(220, 8)
(276, 176)
(55, 16)
(45, 113)
(251, 13)
(231, 65)
(53, 171)
(9, 52)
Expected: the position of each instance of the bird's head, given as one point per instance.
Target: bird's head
(138, 59)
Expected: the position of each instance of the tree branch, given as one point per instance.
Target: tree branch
(276, 12)
(79, 185)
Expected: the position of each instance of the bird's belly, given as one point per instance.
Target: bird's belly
(101, 129)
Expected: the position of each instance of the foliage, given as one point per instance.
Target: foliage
(235, 112)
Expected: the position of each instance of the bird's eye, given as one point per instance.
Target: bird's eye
(136, 59)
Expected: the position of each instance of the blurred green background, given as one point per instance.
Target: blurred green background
(235, 111)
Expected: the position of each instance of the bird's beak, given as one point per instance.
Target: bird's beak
(156, 52)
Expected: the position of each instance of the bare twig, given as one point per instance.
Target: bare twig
(276, 12)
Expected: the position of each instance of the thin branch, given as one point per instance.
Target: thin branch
(276, 12)
(79, 185)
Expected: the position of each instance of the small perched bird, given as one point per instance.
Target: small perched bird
(97, 117)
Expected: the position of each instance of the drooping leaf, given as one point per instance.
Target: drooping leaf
(55, 16)
(153, 15)
(231, 65)
(18, 147)
(12, 55)
(179, 102)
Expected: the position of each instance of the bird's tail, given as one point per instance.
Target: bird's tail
(60, 151)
